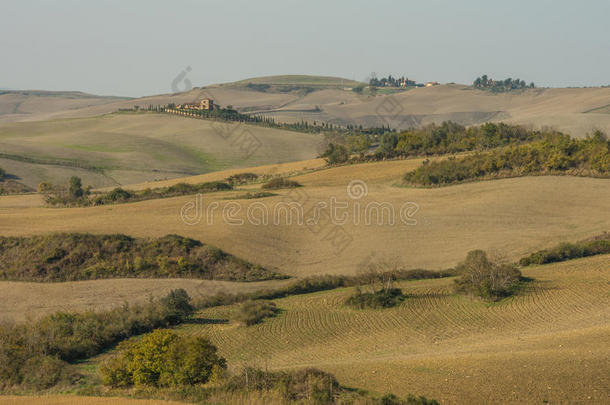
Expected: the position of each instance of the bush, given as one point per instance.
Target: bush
(2, 174)
(37, 354)
(242, 178)
(567, 251)
(162, 358)
(335, 154)
(375, 300)
(312, 385)
(489, 280)
(43, 372)
(280, 182)
(253, 312)
(75, 189)
(176, 306)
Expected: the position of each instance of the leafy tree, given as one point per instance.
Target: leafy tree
(176, 306)
(336, 154)
(75, 189)
(162, 358)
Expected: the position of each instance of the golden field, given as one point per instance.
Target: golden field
(512, 216)
(549, 343)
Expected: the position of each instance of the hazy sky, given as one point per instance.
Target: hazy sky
(136, 48)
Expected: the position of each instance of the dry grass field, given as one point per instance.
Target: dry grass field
(133, 148)
(549, 343)
(25, 300)
(512, 216)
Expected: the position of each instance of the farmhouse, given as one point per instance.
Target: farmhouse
(204, 104)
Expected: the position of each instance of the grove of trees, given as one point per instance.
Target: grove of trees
(554, 153)
(487, 83)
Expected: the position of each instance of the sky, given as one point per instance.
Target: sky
(136, 48)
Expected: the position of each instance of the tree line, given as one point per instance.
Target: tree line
(508, 84)
(554, 154)
(391, 81)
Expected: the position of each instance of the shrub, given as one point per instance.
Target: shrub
(118, 194)
(312, 385)
(335, 154)
(176, 306)
(162, 358)
(242, 178)
(43, 372)
(374, 300)
(567, 251)
(2, 174)
(75, 189)
(486, 279)
(280, 182)
(250, 196)
(37, 354)
(253, 312)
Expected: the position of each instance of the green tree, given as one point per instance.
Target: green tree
(162, 358)
(75, 189)
(336, 153)
(176, 306)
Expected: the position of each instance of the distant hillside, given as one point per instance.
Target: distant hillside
(290, 98)
(318, 82)
(128, 148)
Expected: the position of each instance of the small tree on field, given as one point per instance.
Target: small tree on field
(75, 189)
(336, 153)
(489, 279)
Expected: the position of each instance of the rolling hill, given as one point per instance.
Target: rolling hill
(577, 111)
(513, 216)
(547, 344)
(127, 148)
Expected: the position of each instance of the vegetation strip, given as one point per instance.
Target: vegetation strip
(74, 256)
(597, 245)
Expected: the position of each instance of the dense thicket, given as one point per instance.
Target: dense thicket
(485, 278)
(74, 256)
(554, 154)
(37, 354)
(566, 251)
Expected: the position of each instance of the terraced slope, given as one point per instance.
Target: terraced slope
(550, 343)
